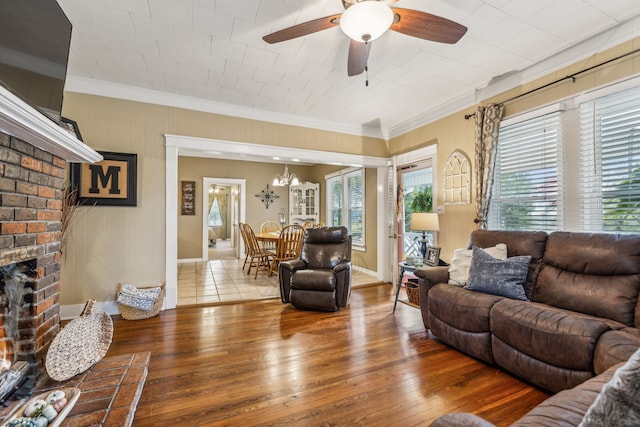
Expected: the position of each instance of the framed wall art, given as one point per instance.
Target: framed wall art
(111, 182)
(188, 198)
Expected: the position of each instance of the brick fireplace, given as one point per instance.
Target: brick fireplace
(33, 156)
(31, 183)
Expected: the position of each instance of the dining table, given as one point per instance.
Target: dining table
(270, 237)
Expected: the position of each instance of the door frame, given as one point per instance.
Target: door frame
(424, 153)
(241, 184)
(177, 145)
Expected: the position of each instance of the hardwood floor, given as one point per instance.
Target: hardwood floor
(266, 363)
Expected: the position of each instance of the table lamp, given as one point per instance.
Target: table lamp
(424, 221)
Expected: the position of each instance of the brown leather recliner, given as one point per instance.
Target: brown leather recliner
(321, 278)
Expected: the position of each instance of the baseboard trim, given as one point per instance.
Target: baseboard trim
(367, 271)
(183, 260)
(72, 311)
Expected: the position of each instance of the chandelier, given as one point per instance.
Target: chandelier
(285, 179)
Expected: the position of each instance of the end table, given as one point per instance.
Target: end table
(404, 267)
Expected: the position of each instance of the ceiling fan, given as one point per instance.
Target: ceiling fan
(365, 20)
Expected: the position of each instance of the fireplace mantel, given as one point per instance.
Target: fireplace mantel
(21, 120)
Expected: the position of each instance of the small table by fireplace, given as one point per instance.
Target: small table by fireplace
(109, 392)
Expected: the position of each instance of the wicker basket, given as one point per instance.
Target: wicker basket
(131, 313)
(413, 292)
(79, 345)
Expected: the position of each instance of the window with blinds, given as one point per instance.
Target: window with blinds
(334, 201)
(346, 204)
(355, 201)
(610, 159)
(526, 191)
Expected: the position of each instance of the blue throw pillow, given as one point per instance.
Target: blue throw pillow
(498, 277)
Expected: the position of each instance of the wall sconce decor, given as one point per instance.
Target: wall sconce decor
(267, 196)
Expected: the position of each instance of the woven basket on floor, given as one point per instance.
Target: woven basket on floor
(79, 345)
(413, 292)
(131, 313)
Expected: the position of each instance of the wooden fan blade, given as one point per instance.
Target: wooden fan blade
(358, 56)
(427, 26)
(303, 29)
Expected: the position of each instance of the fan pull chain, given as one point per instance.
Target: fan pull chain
(366, 64)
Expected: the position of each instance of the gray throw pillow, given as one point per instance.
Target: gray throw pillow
(498, 277)
(618, 403)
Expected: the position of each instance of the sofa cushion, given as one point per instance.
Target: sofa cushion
(518, 243)
(460, 308)
(614, 347)
(461, 318)
(596, 274)
(566, 408)
(544, 375)
(618, 403)
(314, 280)
(498, 277)
(461, 261)
(555, 336)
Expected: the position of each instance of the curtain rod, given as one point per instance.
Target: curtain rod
(570, 76)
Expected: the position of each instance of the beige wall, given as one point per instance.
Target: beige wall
(258, 175)
(108, 245)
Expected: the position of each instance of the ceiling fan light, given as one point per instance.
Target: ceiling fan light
(366, 21)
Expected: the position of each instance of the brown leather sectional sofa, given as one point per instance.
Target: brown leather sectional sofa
(582, 320)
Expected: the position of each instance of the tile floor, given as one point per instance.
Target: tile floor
(222, 280)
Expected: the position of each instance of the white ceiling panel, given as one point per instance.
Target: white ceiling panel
(213, 50)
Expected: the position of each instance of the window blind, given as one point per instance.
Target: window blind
(355, 203)
(610, 158)
(345, 203)
(526, 191)
(334, 199)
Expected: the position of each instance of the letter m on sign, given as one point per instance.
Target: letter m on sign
(111, 182)
(104, 178)
(107, 179)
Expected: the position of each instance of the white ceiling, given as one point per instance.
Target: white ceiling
(209, 54)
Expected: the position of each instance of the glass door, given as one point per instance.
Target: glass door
(414, 194)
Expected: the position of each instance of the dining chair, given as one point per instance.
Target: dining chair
(269, 227)
(258, 257)
(288, 246)
(245, 243)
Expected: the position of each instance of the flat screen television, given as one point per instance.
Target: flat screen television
(35, 37)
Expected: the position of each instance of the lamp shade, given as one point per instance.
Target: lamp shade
(366, 21)
(424, 221)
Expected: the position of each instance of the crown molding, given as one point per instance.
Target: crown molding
(150, 96)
